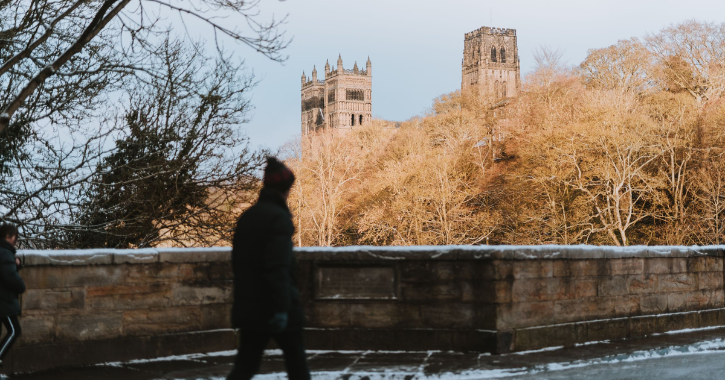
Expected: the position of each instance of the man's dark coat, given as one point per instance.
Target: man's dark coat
(10, 282)
(263, 263)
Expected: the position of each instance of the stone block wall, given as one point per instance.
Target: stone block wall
(92, 306)
(434, 305)
(86, 307)
(625, 296)
(560, 291)
(501, 299)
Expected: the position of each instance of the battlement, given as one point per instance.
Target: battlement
(361, 73)
(311, 83)
(490, 30)
(332, 73)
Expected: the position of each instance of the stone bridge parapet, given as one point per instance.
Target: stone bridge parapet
(506, 298)
(91, 306)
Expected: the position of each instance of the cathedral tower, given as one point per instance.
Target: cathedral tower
(342, 100)
(491, 61)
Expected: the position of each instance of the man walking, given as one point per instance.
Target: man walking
(266, 299)
(11, 285)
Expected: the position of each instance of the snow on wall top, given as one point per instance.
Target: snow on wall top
(366, 253)
(124, 256)
(503, 252)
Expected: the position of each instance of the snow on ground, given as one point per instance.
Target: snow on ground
(188, 357)
(391, 373)
(704, 347)
(545, 349)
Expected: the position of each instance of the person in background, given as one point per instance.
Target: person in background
(266, 299)
(11, 285)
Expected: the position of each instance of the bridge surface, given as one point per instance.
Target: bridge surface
(695, 354)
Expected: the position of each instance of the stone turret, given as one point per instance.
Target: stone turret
(340, 100)
(369, 67)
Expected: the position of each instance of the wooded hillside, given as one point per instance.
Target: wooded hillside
(626, 148)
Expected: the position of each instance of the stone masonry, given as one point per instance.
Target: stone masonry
(86, 307)
(501, 299)
(93, 306)
(342, 100)
(491, 62)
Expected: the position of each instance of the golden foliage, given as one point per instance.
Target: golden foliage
(626, 149)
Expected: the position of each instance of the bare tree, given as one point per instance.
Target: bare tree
(677, 124)
(71, 71)
(170, 168)
(607, 158)
(179, 168)
(425, 188)
(627, 66)
(619, 189)
(549, 64)
(710, 193)
(551, 81)
(48, 173)
(40, 38)
(691, 56)
(328, 167)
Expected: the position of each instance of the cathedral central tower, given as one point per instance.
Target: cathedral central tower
(343, 99)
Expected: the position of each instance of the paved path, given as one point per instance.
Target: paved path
(702, 366)
(692, 355)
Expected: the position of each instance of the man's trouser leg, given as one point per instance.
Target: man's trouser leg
(249, 354)
(11, 324)
(295, 358)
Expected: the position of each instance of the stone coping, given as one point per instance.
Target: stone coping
(124, 256)
(365, 253)
(502, 252)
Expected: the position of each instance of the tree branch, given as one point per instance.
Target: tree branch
(97, 24)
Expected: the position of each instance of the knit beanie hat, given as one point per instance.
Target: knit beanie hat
(277, 176)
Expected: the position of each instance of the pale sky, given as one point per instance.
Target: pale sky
(416, 46)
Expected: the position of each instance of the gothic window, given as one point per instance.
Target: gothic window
(331, 96)
(496, 89)
(314, 102)
(352, 120)
(360, 123)
(504, 90)
(493, 54)
(354, 94)
(503, 55)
